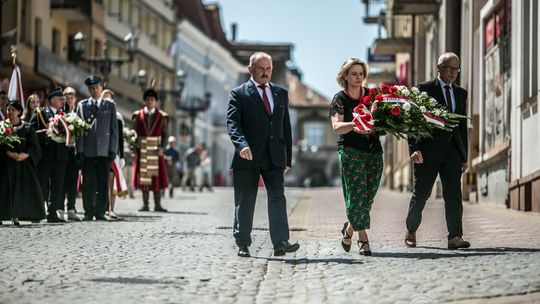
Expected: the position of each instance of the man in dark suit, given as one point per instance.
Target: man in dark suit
(51, 168)
(445, 154)
(259, 127)
(97, 149)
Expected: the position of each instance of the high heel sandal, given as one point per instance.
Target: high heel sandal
(361, 251)
(346, 236)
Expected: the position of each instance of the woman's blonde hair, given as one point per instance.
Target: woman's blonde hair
(341, 76)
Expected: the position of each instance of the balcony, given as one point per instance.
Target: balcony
(72, 9)
(374, 9)
(410, 7)
(379, 76)
(383, 46)
(397, 36)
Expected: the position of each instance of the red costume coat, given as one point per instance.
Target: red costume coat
(158, 128)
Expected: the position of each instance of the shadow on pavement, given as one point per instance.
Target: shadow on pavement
(136, 218)
(454, 253)
(186, 212)
(311, 261)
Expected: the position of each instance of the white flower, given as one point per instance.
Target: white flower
(71, 127)
(415, 90)
(423, 109)
(405, 92)
(437, 112)
(406, 106)
(433, 101)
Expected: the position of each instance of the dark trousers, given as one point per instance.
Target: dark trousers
(95, 173)
(70, 185)
(246, 182)
(51, 175)
(425, 174)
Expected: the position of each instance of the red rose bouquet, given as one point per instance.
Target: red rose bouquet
(7, 134)
(403, 112)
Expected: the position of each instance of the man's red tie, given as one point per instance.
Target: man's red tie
(265, 100)
(448, 98)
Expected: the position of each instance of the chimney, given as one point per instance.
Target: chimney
(234, 26)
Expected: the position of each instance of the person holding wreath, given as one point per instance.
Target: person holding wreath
(359, 154)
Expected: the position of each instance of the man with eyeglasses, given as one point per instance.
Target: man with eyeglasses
(445, 155)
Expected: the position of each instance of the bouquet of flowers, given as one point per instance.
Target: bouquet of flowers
(403, 112)
(7, 134)
(66, 128)
(130, 137)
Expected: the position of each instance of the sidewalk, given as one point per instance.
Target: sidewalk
(188, 256)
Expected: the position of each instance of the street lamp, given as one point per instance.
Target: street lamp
(106, 63)
(193, 106)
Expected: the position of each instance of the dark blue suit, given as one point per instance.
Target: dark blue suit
(270, 140)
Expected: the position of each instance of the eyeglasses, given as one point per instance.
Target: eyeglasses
(451, 69)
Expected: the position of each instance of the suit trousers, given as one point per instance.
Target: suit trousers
(246, 182)
(95, 174)
(425, 174)
(51, 175)
(70, 186)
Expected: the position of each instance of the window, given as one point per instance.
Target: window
(56, 41)
(314, 133)
(37, 32)
(25, 21)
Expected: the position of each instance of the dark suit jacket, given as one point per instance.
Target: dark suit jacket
(250, 126)
(51, 150)
(432, 148)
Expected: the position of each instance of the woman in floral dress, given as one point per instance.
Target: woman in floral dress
(359, 152)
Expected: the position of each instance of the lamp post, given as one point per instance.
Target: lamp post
(193, 106)
(105, 63)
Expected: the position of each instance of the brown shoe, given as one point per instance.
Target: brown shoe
(458, 242)
(410, 239)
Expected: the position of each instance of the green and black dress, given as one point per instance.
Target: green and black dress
(361, 164)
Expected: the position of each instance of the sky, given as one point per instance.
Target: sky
(324, 33)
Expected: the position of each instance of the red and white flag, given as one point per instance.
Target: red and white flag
(15, 90)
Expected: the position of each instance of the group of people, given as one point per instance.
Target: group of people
(259, 127)
(40, 172)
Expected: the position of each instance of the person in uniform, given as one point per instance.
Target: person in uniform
(150, 172)
(51, 169)
(97, 149)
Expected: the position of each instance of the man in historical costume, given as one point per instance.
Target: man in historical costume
(51, 168)
(150, 172)
(97, 149)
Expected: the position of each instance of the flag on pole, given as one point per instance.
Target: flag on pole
(15, 86)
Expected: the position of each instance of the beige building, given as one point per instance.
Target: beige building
(47, 32)
(498, 42)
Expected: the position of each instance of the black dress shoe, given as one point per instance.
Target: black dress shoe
(55, 219)
(243, 251)
(88, 218)
(160, 209)
(285, 247)
(101, 218)
(144, 208)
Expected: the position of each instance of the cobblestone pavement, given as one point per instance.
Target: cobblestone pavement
(188, 256)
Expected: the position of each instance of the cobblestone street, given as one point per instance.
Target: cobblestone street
(188, 256)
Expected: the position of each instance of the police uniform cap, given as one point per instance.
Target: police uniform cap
(92, 80)
(55, 93)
